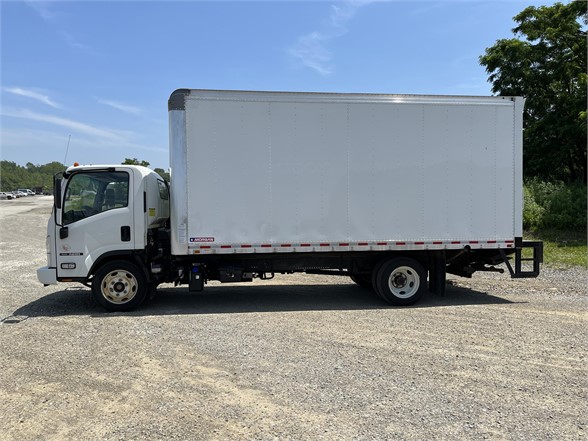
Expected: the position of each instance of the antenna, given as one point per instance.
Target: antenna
(66, 150)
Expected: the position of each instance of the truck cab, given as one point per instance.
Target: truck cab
(102, 214)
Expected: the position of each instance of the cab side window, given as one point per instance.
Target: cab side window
(90, 193)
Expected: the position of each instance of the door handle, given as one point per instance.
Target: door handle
(125, 233)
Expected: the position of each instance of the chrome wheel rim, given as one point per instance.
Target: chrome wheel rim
(404, 282)
(119, 287)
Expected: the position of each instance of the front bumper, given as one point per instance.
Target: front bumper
(47, 275)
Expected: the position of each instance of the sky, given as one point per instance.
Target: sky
(88, 81)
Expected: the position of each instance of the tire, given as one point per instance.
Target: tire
(374, 279)
(401, 281)
(365, 281)
(119, 286)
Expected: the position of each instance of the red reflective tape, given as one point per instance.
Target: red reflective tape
(204, 247)
(304, 244)
(509, 241)
(437, 243)
(286, 245)
(419, 243)
(325, 245)
(382, 243)
(491, 241)
(474, 241)
(266, 245)
(245, 246)
(225, 246)
(400, 243)
(343, 244)
(456, 242)
(362, 244)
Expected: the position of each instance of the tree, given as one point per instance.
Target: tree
(161, 172)
(15, 176)
(135, 161)
(546, 63)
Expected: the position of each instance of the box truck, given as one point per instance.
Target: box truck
(393, 191)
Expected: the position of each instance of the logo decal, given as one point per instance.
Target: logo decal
(201, 239)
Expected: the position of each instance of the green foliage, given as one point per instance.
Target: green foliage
(135, 161)
(546, 63)
(567, 208)
(558, 206)
(533, 212)
(563, 248)
(13, 176)
(161, 172)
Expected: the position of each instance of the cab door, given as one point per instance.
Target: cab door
(96, 218)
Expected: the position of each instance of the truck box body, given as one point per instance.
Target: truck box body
(392, 191)
(266, 172)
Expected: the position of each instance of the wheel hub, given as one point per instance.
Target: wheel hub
(119, 287)
(399, 280)
(403, 282)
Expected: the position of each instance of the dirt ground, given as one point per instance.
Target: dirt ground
(298, 357)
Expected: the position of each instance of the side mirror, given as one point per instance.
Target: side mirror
(57, 192)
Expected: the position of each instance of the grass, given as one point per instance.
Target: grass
(562, 248)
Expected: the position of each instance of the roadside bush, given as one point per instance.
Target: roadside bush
(567, 208)
(554, 205)
(533, 213)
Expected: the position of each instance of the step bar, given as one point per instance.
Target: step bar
(537, 259)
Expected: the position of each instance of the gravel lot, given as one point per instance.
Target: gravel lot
(299, 357)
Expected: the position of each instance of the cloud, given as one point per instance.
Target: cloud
(45, 10)
(311, 49)
(30, 93)
(41, 146)
(120, 106)
(44, 138)
(73, 125)
(71, 41)
(312, 52)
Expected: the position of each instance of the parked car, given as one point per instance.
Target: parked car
(5, 195)
(27, 191)
(19, 194)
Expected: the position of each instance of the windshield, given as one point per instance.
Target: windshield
(90, 193)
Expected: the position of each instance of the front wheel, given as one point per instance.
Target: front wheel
(401, 281)
(119, 286)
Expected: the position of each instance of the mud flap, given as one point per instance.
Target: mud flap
(437, 272)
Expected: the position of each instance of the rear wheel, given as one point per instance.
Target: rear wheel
(119, 286)
(401, 281)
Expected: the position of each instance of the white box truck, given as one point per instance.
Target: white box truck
(393, 191)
